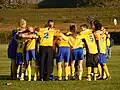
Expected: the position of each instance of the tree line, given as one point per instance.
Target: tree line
(63, 3)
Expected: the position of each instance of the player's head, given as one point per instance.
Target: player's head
(98, 26)
(84, 27)
(50, 23)
(73, 28)
(22, 23)
(96, 22)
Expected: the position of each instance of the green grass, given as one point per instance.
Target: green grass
(112, 84)
(62, 17)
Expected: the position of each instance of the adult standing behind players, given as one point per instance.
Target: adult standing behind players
(46, 50)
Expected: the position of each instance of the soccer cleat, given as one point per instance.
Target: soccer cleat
(99, 78)
(73, 78)
(21, 79)
(29, 79)
(89, 79)
(66, 78)
(52, 78)
(35, 78)
(108, 78)
(79, 78)
(41, 79)
(95, 79)
(59, 78)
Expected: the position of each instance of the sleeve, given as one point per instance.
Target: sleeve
(66, 38)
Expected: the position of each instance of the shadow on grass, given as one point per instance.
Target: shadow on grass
(5, 77)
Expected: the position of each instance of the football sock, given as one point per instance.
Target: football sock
(66, 72)
(60, 74)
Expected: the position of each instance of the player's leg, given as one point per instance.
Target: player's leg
(105, 68)
(33, 53)
(66, 59)
(89, 66)
(59, 59)
(74, 56)
(27, 64)
(95, 65)
(80, 63)
(19, 62)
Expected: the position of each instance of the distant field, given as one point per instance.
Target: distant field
(113, 84)
(62, 17)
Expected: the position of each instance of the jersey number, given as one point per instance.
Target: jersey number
(45, 35)
(91, 39)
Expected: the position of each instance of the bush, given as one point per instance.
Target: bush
(5, 37)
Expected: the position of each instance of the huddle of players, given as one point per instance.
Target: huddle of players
(40, 44)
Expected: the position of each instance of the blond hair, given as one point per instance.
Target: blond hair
(22, 23)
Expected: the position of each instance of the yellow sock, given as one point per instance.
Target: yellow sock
(22, 77)
(26, 72)
(104, 75)
(89, 72)
(36, 73)
(29, 73)
(18, 71)
(66, 72)
(100, 70)
(72, 70)
(80, 72)
(106, 70)
(69, 71)
(60, 74)
(95, 73)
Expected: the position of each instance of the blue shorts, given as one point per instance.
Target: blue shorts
(77, 54)
(101, 58)
(63, 54)
(19, 58)
(30, 54)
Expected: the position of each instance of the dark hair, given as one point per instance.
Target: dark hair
(50, 21)
(98, 26)
(96, 22)
(73, 28)
(84, 25)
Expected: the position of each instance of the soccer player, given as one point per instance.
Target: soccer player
(91, 51)
(63, 53)
(30, 52)
(46, 50)
(101, 41)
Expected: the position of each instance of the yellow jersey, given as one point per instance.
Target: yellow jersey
(61, 42)
(47, 36)
(102, 43)
(108, 42)
(74, 42)
(90, 42)
(21, 45)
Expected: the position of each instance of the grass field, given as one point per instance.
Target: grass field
(62, 17)
(113, 84)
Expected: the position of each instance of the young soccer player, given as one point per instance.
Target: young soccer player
(63, 54)
(101, 38)
(91, 51)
